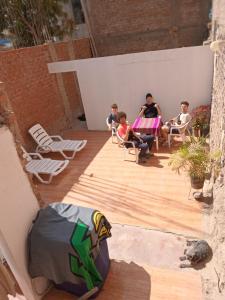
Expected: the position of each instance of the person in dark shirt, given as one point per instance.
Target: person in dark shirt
(150, 109)
(112, 119)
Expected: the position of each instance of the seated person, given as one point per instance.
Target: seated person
(144, 142)
(150, 109)
(112, 119)
(178, 121)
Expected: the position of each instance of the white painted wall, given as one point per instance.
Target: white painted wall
(18, 208)
(170, 75)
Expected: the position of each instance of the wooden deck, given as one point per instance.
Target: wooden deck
(130, 281)
(150, 195)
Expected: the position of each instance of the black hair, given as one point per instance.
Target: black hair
(184, 103)
(148, 95)
(121, 115)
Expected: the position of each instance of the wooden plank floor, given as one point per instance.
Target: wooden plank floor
(130, 281)
(151, 195)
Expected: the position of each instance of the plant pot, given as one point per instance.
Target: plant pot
(197, 183)
(205, 132)
(197, 132)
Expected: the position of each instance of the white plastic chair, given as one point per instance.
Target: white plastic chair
(113, 129)
(122, 142)
(55, 143)
(37, 165)
(181, 132)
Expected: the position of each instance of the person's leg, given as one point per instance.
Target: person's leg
(136, 144)
(149, 139)
(144, 148)
(165, 131)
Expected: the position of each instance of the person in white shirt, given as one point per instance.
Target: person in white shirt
(183, 118)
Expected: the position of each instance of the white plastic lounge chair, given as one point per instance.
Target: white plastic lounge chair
(122, 143)
(55, 143)
(45, 166)
(178, 131)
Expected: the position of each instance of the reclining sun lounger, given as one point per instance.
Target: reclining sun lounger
(43, 166)
(55, 143)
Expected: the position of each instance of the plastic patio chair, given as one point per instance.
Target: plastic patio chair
(122, 143)
(181, 132)
(55, 143)
(37, 165)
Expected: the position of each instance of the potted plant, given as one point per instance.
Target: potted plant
(195, 158)
(201, 120)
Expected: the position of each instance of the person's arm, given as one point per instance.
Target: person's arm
(141, 113)
(174, 120)
(188, 118)
(109, 122)
(158, 110)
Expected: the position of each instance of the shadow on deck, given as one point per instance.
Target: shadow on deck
(151, 195)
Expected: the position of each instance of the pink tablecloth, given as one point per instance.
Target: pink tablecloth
(147, 125)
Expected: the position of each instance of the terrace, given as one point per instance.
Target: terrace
(150, 196)
(149, 206)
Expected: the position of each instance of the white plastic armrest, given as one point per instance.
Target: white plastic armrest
(42, 147)
(36, 154)
(181, 126)
(56, 137)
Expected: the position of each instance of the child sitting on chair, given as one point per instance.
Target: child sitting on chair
(143, 142)
(112, 120)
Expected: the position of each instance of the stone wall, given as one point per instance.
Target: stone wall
(214, 282)
(218, 99)
(37, 96)
(126, 26)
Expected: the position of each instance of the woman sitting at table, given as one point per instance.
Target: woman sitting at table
(150, 109)
(143, 142)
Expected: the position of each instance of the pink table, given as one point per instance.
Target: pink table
(147, 125)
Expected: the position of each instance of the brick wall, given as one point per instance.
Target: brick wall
(33, 92)
(125, 26)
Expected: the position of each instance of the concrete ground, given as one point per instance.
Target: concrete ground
(146, 247)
